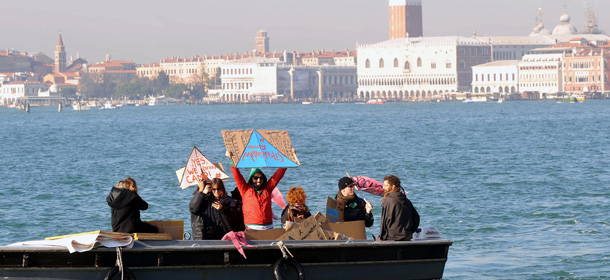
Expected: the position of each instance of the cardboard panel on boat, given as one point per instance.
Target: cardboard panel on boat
(353, 229)
(268, 234)
(308, 229)
(152, 236)
(174, 228)
(334, 210)
(101, 232)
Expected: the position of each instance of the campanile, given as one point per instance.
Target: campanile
(406, 17)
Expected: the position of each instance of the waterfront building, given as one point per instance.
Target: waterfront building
(421, 68)
(497, 77)
(262, 79)
(585, 71)
(406, 19)
(540, 74)
(111, 71)
(19, 91)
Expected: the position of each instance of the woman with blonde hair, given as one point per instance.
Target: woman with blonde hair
(126, 205)
(296, 210)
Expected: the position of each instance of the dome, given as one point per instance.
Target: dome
(540, 30)
(53, 88)
(564, 27)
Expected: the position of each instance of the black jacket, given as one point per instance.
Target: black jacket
(399, 219)
(126, 206)
(209, 223)
(355, 210)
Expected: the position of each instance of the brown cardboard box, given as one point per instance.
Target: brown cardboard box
(268, 234)
(353, 229)
(174, 228)
(334, 210)
(308, 229)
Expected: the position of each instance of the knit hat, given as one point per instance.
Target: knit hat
(344, 182)
(254, 171)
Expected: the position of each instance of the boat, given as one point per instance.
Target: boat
(160, 101)
(306, 102)
(80, 106)
(215, 259)
(108, 105)
(375, 101)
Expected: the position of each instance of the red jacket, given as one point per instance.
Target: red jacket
(257, 206)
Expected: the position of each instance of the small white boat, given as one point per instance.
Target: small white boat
(108, 105)
(306, 102)
(161, 101)
(376, 101)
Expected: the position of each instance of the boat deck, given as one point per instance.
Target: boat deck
(219, 259)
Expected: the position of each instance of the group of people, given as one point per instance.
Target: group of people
(214, 212)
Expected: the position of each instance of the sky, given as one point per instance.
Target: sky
(148, 31)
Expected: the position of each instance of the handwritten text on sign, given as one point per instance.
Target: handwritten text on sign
(200, 169)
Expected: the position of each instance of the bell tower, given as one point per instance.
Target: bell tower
(60, 56)
(261, 42)
(406, 17)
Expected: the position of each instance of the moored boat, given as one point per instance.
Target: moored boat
(352, 259)
(375, 101)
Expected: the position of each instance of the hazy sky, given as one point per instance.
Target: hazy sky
(146, 31)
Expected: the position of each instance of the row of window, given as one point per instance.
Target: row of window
(407, 81)
(495, 77)
(236, 85)
(237, 71)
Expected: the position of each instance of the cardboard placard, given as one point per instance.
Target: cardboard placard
(198, 167)
(174, 228)
(152, 236)
(334, 210)
(308, 229)
(268, 234)
(353, 229)
(260, 148)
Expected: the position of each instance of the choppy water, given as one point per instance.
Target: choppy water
(522, 188)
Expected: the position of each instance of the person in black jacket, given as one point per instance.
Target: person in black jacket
(356, 208)
(126, 205)
(399, 219)
(213, 212)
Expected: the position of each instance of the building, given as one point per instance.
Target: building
(26, 92)
(60, 56)
(496, 77)
(261, 42)
(112, 71)
(421, 68)
(406, 19)
(261, 79)
(585, 71)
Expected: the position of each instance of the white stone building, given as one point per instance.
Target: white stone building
(34, 93)
(422, 68)
(540, 73)
(497, 77)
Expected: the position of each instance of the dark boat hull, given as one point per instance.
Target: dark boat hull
(220, 260)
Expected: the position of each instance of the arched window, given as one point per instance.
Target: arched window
(419, 62)
(395, 62)
(407, 65)
(367, 64)
(381, 63)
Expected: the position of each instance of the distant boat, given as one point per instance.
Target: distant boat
(160, 101)
(108, 105)
(80, 106)
(306, 102)
(375, 101)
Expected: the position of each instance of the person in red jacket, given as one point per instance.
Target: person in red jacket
(256, 196)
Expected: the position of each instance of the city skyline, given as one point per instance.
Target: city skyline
(149, 32)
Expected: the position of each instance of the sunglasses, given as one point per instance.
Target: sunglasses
(257, 177)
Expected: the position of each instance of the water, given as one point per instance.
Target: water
(522, 188)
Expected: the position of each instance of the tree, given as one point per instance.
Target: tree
(160, 83)
(176, 91)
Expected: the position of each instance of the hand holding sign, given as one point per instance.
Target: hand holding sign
(199, 168)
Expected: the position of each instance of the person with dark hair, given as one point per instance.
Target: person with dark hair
(213, 212)
(296, 210)
(256, 196)
(126, 205)
(356, 208)
(399, 219)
